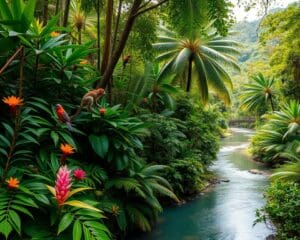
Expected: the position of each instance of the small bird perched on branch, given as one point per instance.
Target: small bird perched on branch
(126, 60)
(63, 116)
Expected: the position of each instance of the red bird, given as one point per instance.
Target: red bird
(63, 116)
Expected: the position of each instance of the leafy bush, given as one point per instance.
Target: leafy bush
(166, 141)
(283, 208)
(186, 176)
(201, 127)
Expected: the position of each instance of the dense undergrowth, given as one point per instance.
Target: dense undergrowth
(105, 169)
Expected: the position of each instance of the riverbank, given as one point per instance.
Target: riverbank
(226, 210)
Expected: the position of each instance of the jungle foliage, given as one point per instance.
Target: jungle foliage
(102, 170)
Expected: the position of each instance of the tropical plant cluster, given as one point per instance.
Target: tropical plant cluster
(100, 166)
(272, 95)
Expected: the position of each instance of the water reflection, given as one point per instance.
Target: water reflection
(227, 212)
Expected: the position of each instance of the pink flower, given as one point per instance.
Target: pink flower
(62, 185)
(79, 174)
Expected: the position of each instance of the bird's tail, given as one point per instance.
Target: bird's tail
(69, 126)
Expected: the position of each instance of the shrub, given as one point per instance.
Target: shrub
(186, 176)
(283, 208)
(166, 141)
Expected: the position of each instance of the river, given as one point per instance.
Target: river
(227, 212)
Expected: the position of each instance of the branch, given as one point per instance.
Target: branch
(150, 8)
(11, 59)
(145, 4)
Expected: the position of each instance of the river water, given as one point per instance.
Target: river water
(227, 212)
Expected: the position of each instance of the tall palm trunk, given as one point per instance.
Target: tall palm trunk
(272, 103)
(189, 80)
(79, 36)
(98, 35)
(66, 13)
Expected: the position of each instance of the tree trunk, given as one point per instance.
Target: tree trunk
(119, 49)
(79, 36)
(189, 80)
(45, 12)
(56, 7)
(117, 25)
(98, 35)
(107, 40)
(66, 13)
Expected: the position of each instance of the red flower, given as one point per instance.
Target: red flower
(79, 174)
(102, 111)
(62, 185)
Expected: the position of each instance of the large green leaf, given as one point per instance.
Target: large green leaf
(65, 222)
(100, 144)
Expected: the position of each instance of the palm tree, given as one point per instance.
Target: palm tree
(154, 91)
(207, 57)
(258, 94)
(279, 134)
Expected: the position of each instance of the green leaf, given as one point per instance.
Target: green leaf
(51, 189)
(5, 227)
(77, 230)
(67, 138)
(28, 14)
(26, 200)
(99, 144)
(68, 74)
(4, 140)
(54, 137)
(79, 204)
(9, 129)
(65, 222)
(5, 11)
(78, 190)
(15, 220)
(22, 209)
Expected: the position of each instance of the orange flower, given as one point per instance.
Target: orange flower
(13, 183)
(83, 62)
(13, 101)
(54, 34)
(67, 149)
(102, 111)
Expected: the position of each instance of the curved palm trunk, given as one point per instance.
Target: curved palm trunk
(272, 103)
(79, 36)
(189, 80)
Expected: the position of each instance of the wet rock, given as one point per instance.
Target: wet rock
(225, 180)
(271, 237)
(256, 171)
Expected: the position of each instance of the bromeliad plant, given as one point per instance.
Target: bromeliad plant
(84, 217)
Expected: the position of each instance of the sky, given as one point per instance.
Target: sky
(241, 15)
